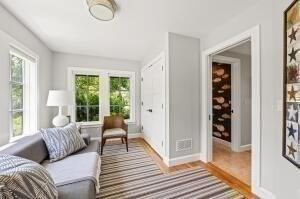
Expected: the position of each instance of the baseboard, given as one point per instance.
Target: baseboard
(246, 147)
(223, 142)
(96, 138)
(203, 158)
(174, 161)
(242, 148)
(130, 136)
(135, 135)
(263, 193)
(181, 160)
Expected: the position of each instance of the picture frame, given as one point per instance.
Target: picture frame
(291, 85)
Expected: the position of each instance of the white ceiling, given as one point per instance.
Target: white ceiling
(67, 26)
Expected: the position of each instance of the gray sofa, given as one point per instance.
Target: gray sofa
(34, 148)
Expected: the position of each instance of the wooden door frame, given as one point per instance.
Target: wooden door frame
(235, 99)
(253, 35)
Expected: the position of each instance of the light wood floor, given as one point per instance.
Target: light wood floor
(237, 164)
(225, 177)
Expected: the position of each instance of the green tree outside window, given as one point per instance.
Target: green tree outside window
(16, 89)
(120, 96)
(87, 98)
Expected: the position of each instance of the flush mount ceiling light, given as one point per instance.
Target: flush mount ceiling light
(102, 9)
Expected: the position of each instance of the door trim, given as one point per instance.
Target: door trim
(235, 99)
(252, 34)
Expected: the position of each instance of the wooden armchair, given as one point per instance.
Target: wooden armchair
(114, 127)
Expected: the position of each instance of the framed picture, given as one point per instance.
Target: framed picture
(291, 89)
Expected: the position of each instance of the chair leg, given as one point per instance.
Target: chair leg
(122, 141)
(102, 144)
(126, 140)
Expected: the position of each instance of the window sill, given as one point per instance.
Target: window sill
(84, 125)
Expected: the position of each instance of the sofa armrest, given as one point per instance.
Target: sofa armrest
(86, 138)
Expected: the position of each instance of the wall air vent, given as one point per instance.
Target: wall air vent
(183, 145)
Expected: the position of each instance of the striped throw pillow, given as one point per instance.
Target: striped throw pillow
(62, 141)
(22, 178)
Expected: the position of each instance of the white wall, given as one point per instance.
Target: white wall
(286, 175)
(13, 32)
(277, 174)
(245, 94)
(62, 61)
(184, 92)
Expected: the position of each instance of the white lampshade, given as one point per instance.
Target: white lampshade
(102, 9)
(59, 98)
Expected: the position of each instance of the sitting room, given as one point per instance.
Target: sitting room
(149, 99)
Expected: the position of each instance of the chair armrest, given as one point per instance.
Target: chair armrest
(86, 138)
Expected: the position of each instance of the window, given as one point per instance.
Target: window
(87, 98)
(120, 96)
(99, 93)
(17, 97)
(23, 93)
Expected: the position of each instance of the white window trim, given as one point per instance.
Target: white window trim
(104, 102)
(30, 101)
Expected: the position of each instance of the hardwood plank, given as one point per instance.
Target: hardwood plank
(225, 177)
(238, 164)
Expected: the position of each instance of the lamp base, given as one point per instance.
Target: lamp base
(60, 121)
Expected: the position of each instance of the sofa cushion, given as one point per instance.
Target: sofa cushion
(92, 147)
(75, 168)
(62, 141)
(116, 132)
(78, 190)
(22, 178)
(29, 147)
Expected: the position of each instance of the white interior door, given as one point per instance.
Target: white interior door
(153, 105)
(146, 92)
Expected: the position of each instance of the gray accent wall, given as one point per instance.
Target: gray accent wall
(183, 59)
(12, 31)
(61, 63)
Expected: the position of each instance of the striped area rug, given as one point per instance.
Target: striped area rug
(135, 175)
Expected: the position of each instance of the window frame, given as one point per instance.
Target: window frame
(104, 102)
(87, 106)
(118, 76)
(30, 91)
(12, 111)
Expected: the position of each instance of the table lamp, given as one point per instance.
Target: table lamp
(60, 98)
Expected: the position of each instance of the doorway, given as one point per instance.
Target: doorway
(231, 111)
(252, 35)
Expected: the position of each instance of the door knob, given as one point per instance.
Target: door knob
(149, 110)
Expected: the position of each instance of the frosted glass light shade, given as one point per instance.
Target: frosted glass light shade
(102, 9)
(59, 98)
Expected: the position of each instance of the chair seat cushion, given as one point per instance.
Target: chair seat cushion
(114, 133)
